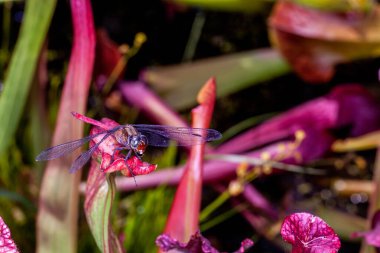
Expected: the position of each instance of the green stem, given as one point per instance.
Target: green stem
(195, 34)
(222, 217)
(110, 178)
(214, 205)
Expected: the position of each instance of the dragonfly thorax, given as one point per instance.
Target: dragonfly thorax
(129, 137)
(122, 135)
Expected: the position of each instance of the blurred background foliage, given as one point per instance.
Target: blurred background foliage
(186, 43)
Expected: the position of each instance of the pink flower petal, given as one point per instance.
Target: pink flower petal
(135, 165)
(7, 245)
(309, 234)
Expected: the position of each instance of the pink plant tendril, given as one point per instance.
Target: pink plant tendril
(309, 234)
(111, 158)
(7, 245)
(372, 237)
(196, 244)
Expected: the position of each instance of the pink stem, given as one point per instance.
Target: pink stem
(58, 203)
(183, 221)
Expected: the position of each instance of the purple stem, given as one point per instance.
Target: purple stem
(141, 97)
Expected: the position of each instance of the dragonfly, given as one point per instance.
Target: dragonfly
(135, 139)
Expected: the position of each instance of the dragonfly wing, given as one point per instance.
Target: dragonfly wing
(68, 147)
(85, 156)
(63, 149)
(160, 136)
(82, 159)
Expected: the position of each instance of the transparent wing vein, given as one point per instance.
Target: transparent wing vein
(63, 149)
(184, 136)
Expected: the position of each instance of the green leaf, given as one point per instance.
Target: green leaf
(179, 84)
(16, 197)
(22, 66)
(147, 214)
(227, 5)
(338, 5)
(100, 192)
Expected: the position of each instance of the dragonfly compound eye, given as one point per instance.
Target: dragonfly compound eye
(143, 143)
(134, 142)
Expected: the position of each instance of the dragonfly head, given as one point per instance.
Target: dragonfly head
(138, 143)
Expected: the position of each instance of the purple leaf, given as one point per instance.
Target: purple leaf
(7, 245)
(348, 105)
(357, 108)
(196, 244)
(309, 234)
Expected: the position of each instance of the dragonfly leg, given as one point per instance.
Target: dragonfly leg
(139, 157)
(117, 149)
(126, 163)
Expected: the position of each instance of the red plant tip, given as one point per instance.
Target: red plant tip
(196, 244)
(91, 121)
(207, 93)
(309, 234)
(7, 245)
(372, 236)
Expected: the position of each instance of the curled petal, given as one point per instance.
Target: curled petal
(309, 234)
(7, 245)
(138, 167)
(133, 164)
